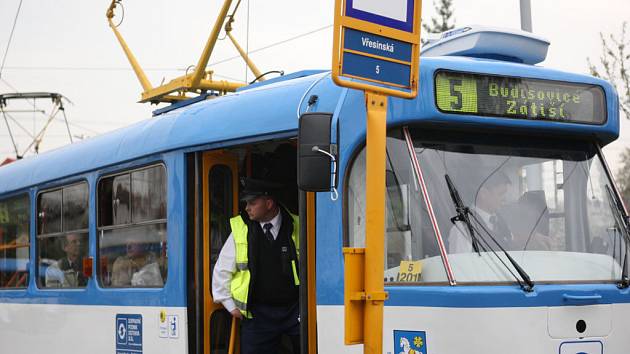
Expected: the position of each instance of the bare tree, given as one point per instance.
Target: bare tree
(615, 63)
(623, 176)
(615, 66)
(442, 22)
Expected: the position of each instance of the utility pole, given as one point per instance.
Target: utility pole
(526, 15)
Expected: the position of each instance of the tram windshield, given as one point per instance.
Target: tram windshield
(550, 205)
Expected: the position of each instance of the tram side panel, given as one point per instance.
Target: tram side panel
(102, 317)
(61, 329)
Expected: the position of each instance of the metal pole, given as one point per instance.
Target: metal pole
(375, 295)
(303, 261)
(526, 15)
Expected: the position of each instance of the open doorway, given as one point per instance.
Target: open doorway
(220, 179)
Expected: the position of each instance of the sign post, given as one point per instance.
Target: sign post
(376, 46)
(375, 49)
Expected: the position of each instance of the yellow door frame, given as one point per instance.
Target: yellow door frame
(222, 157)
(209, 160)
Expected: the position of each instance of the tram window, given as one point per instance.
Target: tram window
(132, 229)
(149, 195)
(121, 192)
(14, 242)
(49, 213)
(409, 238)
(75, 207)
(62, 236)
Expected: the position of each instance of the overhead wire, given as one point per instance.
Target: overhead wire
(6, 52)
(153, 69)
(88, 68)
(105, 68)
(273, 44)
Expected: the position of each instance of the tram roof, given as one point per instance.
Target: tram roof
(261, 110)
(272, 108)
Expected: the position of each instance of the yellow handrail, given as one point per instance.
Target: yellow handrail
(232, 336)
(13, 246)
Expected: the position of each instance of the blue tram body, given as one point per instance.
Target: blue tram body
(270, 111)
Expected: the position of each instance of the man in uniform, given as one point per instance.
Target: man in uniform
(256, 275)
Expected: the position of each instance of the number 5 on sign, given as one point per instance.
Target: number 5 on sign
(409, 271)
(376, 46)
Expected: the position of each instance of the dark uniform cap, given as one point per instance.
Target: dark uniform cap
(254, 188)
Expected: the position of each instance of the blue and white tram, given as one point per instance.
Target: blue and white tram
(107, 246)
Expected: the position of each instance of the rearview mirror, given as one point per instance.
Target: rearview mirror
(314, 153)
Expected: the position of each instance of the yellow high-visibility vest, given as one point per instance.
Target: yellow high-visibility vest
(241, 279)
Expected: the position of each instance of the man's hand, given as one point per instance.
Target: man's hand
(236, 313)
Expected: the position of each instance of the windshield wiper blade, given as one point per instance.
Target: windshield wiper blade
(463, 213)
(529, 284)
(622, 226)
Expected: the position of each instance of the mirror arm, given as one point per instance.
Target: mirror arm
(333, 177)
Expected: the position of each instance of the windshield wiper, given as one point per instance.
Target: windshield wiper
(621, 225)
(463, 213)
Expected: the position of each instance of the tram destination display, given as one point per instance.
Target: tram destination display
(521, 98)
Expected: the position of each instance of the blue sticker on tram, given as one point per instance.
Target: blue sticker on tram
(410, 342)
(581, 347)
(128, 334)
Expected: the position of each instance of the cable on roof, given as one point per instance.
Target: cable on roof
(281, 72)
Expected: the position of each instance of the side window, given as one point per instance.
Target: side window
(132, 229)
(14, 241)
(62, 236)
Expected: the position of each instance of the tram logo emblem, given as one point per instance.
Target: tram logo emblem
(122, 332)
(410, 342)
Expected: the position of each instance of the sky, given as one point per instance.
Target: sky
(66, 46)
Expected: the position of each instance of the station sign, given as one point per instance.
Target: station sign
(376, 45)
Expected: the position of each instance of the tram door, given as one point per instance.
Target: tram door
(220, 203)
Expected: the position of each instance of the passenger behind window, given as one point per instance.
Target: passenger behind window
(529, 221)
(139, 267)
(67, 272)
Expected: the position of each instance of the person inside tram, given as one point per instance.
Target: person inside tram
(138, 268)
(529, 222)
(519, 226)
(67, 272)
(256, 275)
(490, 198)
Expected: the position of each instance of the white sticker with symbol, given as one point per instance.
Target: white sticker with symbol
(173, 326)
